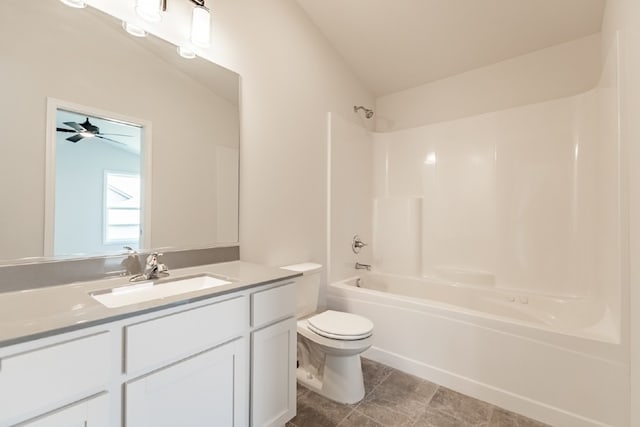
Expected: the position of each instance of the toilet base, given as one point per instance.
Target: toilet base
(341, 381)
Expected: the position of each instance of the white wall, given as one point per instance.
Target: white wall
(559, 71)
(291, 78)
(622, 21)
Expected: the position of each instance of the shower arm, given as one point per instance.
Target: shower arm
(368, 113)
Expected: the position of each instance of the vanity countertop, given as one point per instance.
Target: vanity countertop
(37, 313)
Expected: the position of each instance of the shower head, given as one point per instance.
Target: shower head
(367, 112)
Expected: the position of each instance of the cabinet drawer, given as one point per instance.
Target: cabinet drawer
(37, 381)
(161, 341)
(93, 412)
(273, 304)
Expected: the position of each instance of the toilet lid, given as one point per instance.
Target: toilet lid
(341, 326)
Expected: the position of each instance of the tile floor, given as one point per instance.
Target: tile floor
(393, 398)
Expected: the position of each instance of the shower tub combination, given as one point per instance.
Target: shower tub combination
(556, 359)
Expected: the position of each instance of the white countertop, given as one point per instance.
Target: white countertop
(37, 313)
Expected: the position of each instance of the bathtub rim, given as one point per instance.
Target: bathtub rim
(542, 331)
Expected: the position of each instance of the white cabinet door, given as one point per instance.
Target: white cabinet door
(90, 413)
(273, 370)
(206, 390)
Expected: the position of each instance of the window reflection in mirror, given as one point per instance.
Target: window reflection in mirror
(97, 192)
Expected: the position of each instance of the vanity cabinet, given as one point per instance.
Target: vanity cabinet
(273, 356)
(223, 361)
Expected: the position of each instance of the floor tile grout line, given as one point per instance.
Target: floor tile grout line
(493, 408)
(368, 417)
(379, 383)
(427, 404)
(347, 416)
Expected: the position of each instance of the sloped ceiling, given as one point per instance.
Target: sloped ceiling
(394, 45)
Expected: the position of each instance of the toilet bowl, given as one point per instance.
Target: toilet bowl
(329, 342)
(341, 376)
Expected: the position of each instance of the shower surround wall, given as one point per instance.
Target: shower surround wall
(510, 199)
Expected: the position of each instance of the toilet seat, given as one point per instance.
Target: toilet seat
(340, 326)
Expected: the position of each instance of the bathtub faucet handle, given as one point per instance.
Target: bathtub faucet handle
(357, 244)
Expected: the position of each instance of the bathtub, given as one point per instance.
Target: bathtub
(556, 359)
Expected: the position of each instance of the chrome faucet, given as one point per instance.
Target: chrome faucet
(153, 269)
(360, 266)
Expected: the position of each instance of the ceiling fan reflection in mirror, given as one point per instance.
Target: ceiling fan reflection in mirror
(87, 130)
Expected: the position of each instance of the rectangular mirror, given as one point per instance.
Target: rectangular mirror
(187, 110)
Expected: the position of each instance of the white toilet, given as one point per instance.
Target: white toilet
(329, 343)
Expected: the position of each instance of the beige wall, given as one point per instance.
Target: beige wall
(291, 78)
(622, 17)
(563, 70)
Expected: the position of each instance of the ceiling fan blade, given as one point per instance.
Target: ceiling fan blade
(75, 138)
(75, 126)
(109, 139)
(114, 134)
(66, 130)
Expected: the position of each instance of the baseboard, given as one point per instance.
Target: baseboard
(499, 397)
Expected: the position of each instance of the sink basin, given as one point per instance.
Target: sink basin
(149, 290)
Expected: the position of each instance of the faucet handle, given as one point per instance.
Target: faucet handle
(357, 244)
(152, 259)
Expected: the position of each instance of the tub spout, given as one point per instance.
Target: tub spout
(363, 266)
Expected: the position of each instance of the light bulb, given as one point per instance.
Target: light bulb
(133, 29)
(186, 52)
(201, 27)
(149, 10)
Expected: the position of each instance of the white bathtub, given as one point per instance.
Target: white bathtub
(556, 359)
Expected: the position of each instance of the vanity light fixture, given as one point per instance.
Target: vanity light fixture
(78, 4)
(133, 29)
(151, 10)
(200, 24)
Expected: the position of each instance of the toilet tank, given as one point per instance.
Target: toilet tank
(307, 287)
